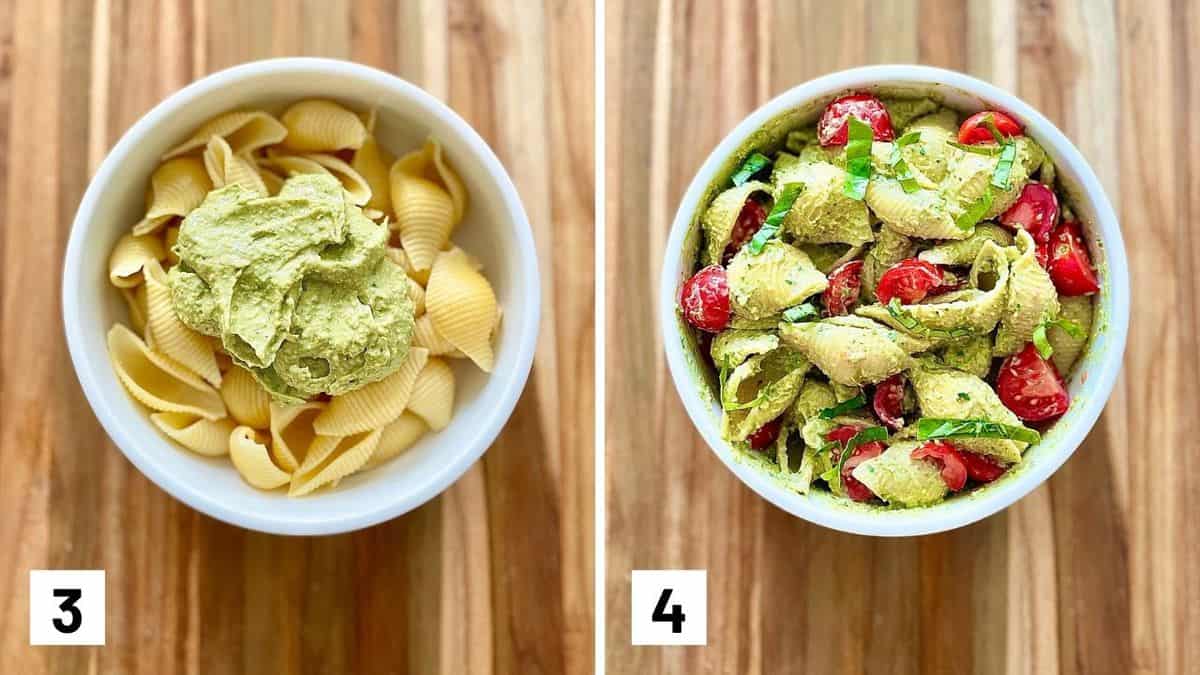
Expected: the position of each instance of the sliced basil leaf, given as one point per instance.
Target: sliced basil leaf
(770, 227)
(913, 324)
(1041, 343)
(1008, 153)
(858, 158)
(801, 313)
(866, 435)
(975, 211)
(1070, 328)
(930, 428)
(754, 163)
(989, 122)
(843, 407)
(975, 149)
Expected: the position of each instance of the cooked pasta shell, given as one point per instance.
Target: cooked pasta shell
(292, 432)
(246, 400)
(170, 236)
(333, 458)
(226, 168)
(462, 306)
(372, 162)
(433, 394)
(374, 405)
(1067, 348)
(424, 217)
(400, 257)
(156, 381)
(356, 185)
(430, 163)
(130, 256)
(176, 187)
(322, 126)
(205, 437)
(1031, 298)
(170, 336)
(425, 335)
(135, 298)
(416, 292)
(248, 450)
(374, 214)
(397, 437)
(272, 180)
(244, 131)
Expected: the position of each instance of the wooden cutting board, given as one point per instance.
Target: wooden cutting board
(1094, 572)
(492, 577)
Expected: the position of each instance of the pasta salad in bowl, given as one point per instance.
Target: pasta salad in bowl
(301, 318)
(894, 300)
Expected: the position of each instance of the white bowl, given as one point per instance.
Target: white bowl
(495, 230)
(1090, 385)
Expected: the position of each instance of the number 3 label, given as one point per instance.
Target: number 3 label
(670, 607)
(66, 607)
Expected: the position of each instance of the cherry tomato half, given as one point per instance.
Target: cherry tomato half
(1070, 265)
(855, 490)
(833, 127)
(888, 401)
(948, 459)
(705, 299)
(1031, 387)
(981, 468)
(750, 220)
(975, 130)
(1036, 210)
(910, 280)
(765, 435)
(845, 284)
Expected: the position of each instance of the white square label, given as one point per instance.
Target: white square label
(670, 607)
(66, 607)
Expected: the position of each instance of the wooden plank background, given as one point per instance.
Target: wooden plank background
(1095, 572)
(492, 577)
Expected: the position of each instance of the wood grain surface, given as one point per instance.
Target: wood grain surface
(1094, 572)
(492, 577)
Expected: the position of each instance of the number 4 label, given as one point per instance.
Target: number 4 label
(66, 607)
(670, 607)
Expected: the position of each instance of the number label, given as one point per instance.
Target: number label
(66, 607)
(675, 618)
(669, 607)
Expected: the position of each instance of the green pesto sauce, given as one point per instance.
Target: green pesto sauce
(296, 287)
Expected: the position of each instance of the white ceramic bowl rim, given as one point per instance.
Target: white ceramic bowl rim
(954, 512)
(485, 428)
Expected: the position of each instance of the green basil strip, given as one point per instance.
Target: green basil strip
(754, 163)
(858, 158)
(975, 212)
(1041, 343)
(988, 150)
(907, 180)
(1070, 328)
(800, 313)
(989, 122)
(929, 428)
(907, 139)
(1008, 153)
(770, 227)
(913, 324)
(843, 407)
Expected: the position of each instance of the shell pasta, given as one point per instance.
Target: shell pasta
(296, 304)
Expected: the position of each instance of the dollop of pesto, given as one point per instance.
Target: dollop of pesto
(296, 287)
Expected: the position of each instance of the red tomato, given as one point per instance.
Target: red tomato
(843, 434)
(749, 221)
(833, 127)
(910, 280)
(765, 435)
(981, 468)
(949, 460)
(888, 401)
(950, 282)
(1070, 265)
(1031, 387)
(854, 488)
(975, 131)
(1042, 253)
(845, 283)
(1036, 210)
(705, 299)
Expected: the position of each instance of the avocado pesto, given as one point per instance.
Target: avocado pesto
(898, 330)
(296, 287)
